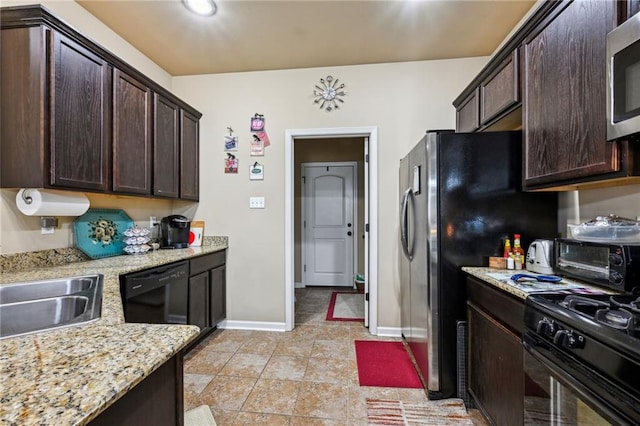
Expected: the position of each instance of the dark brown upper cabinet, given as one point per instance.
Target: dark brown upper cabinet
(55, 106)
(166, 148)
(74, 116)
(131, 135)
(564, 110)
(189, 155)
(549, 81)
(80, 109)
(492, 100)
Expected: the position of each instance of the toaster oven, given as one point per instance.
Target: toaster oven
(615, 266)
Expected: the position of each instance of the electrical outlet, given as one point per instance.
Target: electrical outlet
(256, 202)
(152, 221)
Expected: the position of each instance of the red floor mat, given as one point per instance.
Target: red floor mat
(385, 364)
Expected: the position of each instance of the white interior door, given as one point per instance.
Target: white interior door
(329, 225)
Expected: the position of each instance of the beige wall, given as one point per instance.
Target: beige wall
(327, 150)
(403, 100)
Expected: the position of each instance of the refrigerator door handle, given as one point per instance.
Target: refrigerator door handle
(404, 226)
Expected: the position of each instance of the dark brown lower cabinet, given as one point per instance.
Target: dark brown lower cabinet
(157, 400)
(218, 295)
(495, 353)
(207, 292)
(198, 313)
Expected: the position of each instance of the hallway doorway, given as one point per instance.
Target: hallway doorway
(326, 141)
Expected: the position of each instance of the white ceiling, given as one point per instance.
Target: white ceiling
(257, 35)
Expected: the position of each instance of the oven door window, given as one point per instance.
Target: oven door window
(626, 83)
(162, 305)
(555, 397)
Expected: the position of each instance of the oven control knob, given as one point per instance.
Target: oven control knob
(547, 327)
(569, 339)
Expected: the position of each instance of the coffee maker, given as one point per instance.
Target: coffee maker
(175, 232)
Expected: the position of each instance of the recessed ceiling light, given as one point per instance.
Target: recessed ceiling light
(201, 7)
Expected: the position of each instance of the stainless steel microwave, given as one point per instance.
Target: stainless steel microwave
(616, 266)
(623, 80)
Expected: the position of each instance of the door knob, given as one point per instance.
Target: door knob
(349, 233)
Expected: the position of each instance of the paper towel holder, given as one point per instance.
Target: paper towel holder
(47, 223)
(25, 197)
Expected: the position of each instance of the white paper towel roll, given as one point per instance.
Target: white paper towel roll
(51, 203)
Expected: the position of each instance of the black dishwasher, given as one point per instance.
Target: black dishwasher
(157, 296)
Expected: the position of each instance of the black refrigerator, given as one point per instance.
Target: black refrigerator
(460, 193)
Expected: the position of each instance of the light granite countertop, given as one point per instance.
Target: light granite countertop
(70, 375)
(499, 278)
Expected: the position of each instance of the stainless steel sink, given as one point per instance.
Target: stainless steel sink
(20, 292)
(35, 306)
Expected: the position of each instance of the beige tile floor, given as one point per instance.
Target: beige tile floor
(304, 377)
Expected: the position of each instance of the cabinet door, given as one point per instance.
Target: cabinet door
(467, 115)
(564, 95)
(23, 76)
(198, 300)
(189, 156)
(131, 135)
(501, 90)
(496, 373)
(218, 292)
(80, 117)
(166, 165)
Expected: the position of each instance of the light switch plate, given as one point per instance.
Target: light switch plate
(256, 202)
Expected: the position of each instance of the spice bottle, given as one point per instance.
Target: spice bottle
(519, 251)
(507, 248)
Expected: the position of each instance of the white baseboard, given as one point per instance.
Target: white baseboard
(389, 331)
(299, 285)
(252, 325)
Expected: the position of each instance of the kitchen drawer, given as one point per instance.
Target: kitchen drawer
(207, 262)
(506, 309)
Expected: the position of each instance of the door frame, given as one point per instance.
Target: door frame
(300, 134)
(303, 239)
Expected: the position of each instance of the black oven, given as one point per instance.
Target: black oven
(623, 80)
(582, 360)
(157, 296)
